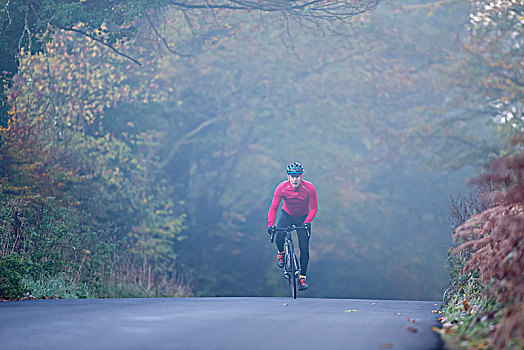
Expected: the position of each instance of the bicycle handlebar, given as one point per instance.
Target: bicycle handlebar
(288, 229)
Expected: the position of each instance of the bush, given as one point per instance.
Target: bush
(57, 287)
(486, 299)
(51, 250)
(12, 271)
(48, 248)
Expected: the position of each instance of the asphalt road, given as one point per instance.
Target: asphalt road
(218, 323)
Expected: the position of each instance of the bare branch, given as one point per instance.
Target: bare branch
(164, 41)
(312, 10)
(187, 137)
(6, 10)
(189, 24)
(101, 42)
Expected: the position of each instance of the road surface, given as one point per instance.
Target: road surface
(218, 323)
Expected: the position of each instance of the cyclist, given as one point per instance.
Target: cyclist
(299, 208)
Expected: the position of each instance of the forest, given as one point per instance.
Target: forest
(141, 142)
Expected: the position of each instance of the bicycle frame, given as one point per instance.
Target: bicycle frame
(292, 266)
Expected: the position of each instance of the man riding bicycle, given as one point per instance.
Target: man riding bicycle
(299, 209)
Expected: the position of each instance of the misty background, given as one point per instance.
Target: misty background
(171, 166)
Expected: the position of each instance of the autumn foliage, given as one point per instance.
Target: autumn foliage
(70, 142)
(494, 239)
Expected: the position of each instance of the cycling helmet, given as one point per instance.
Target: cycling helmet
(294, 168)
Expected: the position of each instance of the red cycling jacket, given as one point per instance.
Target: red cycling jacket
(297, 202)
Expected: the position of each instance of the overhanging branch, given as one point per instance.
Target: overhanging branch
(101, 42)
(316, 9)
(164, 41)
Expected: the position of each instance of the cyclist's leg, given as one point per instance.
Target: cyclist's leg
(284, 221)
(303, 244)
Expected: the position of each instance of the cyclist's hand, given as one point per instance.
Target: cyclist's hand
(271, 230)
(307, 227)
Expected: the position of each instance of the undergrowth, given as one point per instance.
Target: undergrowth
(48, 250)
(484, 305)
(56, 287)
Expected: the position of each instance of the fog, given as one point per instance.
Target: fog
(173, 162)
(352, 109)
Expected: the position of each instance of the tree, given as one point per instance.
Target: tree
(214, 129)
(233, 117)
(493, 45)
(71, 136)
(485, 87)
(27, 23)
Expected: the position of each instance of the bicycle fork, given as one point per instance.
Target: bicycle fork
(290, 259)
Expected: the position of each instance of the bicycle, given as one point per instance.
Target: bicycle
(291, 264)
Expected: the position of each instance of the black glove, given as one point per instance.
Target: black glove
(307, 227)
(271, 230)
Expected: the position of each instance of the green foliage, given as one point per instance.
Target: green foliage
(71, 137)
(12, 271)
(468, 316)
(471, 318)
(57, 286)
(43, 242)
(23, 24)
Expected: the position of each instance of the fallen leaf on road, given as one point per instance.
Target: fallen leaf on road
(350, 310)
(398, 313)
(286, 304)
(374, 304)
(386, 345)
(412, 329)
(412, 320)
(435, 311)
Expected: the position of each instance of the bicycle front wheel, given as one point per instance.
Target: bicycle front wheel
(293, 270)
